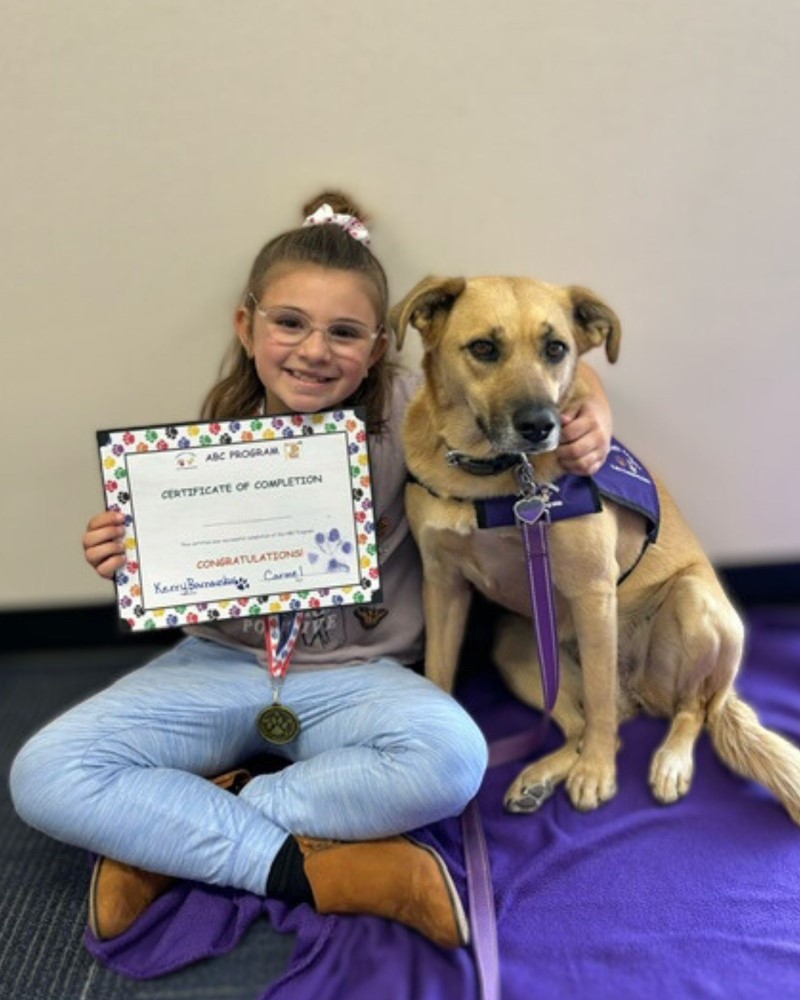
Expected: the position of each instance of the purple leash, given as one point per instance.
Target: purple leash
(531, 514)
(480, 895)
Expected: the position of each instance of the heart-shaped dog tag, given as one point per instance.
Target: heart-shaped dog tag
(529, 510)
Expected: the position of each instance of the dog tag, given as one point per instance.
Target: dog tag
(529, 510)
(278, 724)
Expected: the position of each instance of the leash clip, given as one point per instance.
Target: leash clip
(525, 477)
(534, 501)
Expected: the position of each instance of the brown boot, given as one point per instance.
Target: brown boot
(396, 878)
(119, 894)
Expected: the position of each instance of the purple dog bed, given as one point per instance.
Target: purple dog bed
(696, 900)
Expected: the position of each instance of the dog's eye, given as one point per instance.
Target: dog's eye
(483, 349)
(555, 350)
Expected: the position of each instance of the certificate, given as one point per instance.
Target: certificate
(241, 517)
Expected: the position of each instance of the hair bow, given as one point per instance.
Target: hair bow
(352, 225)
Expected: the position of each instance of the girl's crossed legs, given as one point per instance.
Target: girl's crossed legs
(381, 751)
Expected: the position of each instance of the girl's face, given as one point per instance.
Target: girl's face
(310, 376)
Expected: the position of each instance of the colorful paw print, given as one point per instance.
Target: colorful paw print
(330, 552)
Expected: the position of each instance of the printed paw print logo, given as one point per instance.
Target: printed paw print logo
(186, 460)
(331, 549)
(242, 584)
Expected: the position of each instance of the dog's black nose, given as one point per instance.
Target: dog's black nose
(535, 423)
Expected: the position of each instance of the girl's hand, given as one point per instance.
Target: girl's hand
(586, 429)
(102, 543)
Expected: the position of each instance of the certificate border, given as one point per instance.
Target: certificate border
(114, 447)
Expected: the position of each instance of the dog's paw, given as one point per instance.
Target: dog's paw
(670, 775)
(527, 798)
(589, 786)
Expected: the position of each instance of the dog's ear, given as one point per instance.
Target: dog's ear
(426, 301)
(594, 322)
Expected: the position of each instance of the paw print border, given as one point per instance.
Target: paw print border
(190, 442)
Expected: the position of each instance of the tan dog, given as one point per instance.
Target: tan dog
(500, 363)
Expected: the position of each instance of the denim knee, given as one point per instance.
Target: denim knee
(458, 757)
(473, 757)
(44, 782)
(26, 780)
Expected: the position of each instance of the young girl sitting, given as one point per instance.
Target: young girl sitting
(380, 749)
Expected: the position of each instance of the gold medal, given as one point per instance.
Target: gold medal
(278, 724)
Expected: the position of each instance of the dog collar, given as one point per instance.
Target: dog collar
(482, 466)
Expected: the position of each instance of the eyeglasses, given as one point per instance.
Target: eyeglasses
(290, 327)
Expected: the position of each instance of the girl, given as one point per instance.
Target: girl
(380, 750)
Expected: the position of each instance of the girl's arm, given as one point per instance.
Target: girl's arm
(586, 428)
(102, 543)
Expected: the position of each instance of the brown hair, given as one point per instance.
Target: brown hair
(239, 391)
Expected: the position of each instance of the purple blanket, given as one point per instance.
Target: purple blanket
(699, 899)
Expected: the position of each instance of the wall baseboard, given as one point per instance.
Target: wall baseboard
(762, 584)
(98, 625)
(88, 625)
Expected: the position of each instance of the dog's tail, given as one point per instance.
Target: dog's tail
(753, 751)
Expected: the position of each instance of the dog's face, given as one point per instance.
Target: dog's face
(501, 353)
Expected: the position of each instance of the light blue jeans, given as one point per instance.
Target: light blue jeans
(381, 751)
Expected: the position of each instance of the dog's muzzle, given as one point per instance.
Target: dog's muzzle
(538, 426)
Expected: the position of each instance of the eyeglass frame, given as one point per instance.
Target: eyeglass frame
(263, 313)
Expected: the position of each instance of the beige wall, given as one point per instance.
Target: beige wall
(646, 149)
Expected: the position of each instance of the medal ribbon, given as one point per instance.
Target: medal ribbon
(280, 638)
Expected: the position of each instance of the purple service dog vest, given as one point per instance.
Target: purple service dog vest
(622, 479)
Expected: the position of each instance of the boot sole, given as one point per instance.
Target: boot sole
(462, 922)
(93, 899)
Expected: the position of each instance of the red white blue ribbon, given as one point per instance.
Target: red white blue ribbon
(280, 638)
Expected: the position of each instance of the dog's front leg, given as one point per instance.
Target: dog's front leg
(592, 780)
(446, 597)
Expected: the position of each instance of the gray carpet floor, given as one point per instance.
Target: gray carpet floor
(44, 884)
